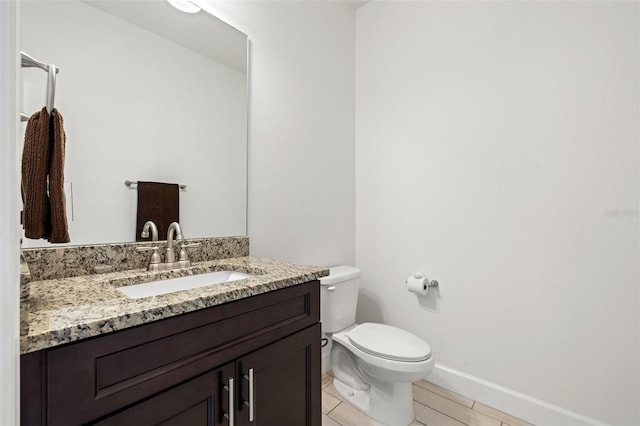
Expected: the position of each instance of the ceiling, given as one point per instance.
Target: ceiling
(206, 34)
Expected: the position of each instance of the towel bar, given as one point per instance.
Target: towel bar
(29, 62)
(128, 184)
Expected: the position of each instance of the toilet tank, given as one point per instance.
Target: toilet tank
(338, 298)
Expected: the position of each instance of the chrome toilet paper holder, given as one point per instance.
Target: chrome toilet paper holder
(425, 281)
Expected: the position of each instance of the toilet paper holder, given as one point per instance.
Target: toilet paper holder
(425, 281)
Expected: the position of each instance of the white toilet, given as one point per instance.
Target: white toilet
(373, 364)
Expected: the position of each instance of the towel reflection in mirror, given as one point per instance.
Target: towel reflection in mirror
(44, 213)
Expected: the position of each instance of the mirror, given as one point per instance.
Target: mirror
(146, 93)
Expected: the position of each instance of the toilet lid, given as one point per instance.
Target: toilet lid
(389, 342)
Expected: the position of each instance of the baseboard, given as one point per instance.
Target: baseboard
(517, 404)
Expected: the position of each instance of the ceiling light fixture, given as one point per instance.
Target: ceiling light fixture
(185, 6)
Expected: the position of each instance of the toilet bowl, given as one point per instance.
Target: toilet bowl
(373, 364)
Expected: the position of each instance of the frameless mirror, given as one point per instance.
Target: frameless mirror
(147, 93)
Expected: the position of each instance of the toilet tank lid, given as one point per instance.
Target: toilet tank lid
(338, 274)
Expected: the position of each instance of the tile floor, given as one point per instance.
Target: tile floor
(434, 406)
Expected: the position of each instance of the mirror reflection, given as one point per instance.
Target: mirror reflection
(147, 93)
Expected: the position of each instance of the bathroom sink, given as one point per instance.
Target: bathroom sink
(157, 288)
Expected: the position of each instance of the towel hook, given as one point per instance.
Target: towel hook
(51, 87)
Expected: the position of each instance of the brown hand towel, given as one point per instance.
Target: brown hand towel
(45, 213)
(160, 203)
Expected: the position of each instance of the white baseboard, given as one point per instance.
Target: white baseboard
(517, 404)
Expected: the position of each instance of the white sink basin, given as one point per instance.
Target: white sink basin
(156, 288)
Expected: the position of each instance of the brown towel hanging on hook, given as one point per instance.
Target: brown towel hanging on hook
(45, 211)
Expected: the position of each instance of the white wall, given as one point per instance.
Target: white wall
(301, 127)
(497, 151)
(137, 106)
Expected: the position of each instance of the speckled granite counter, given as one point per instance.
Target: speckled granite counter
(64, 310)
(71, 261)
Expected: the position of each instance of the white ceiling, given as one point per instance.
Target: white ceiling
(200, 32)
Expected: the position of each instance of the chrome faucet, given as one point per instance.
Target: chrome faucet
(170, 262)
(154, 230)
(170, 256)
(155, 263)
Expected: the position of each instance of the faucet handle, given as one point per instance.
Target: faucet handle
(147, 248)
(183, 257)
(154, 261)
(183, 243)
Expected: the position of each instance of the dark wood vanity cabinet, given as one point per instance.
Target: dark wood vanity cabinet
(252, 362)
(199, 401)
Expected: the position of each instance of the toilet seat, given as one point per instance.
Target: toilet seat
(380, 368)
(388, 342)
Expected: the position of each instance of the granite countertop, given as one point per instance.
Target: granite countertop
(64, 310)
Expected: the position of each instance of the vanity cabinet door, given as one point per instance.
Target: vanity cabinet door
(202, 401)
(285, 388)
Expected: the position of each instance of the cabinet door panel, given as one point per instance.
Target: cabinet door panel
(286, 382)
(199, 402)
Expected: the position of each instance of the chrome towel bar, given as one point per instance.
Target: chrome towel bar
(128, 184)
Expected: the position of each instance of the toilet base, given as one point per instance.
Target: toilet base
(387, 403)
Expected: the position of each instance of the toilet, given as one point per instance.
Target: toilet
(373, 364)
